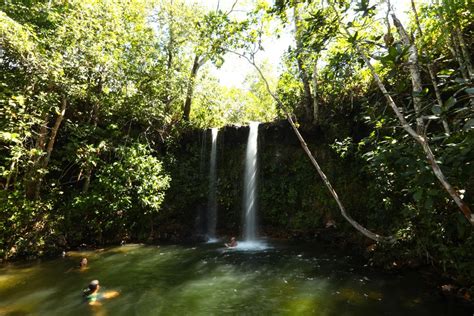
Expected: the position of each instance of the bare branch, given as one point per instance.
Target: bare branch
(232, 8)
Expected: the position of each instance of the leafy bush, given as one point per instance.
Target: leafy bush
(27, 228)
(123, 195)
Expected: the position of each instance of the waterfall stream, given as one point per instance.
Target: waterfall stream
(250, 185)
(212, 197)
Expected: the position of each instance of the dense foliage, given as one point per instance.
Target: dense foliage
(95, 96)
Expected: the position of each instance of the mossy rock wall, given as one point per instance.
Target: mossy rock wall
(292, 198)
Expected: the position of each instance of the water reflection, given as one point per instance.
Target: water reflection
(207, 280)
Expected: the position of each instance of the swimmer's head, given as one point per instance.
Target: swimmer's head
(94, 285)
(83, 262)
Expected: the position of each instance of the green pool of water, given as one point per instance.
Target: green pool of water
(208, 279)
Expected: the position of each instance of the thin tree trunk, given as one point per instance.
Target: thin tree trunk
(42, 134)
(438, 97)
(94, 119)
(87, 180)
(415, 75)
(351, 221)
(12, 168)
(32, 176)
(431, 72)
(169, 64)
(417, 20)
(49, 149)
(464, 51)
(54, 132)
(315, 94)
(192, 80)
(455, 50)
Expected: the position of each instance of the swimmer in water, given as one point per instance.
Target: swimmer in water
(232, 244)
(93, 297)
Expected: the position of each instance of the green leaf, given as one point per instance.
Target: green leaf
(352, 39)
(436, 109)
(418, 195)
(460, 80)
(449, 103)
(421, 93)
(429, 203)
(469, 125)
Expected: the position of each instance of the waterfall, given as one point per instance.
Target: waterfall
(250, 185)
(212, 197)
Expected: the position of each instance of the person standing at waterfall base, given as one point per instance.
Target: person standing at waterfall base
(92, 295)
(232, 244)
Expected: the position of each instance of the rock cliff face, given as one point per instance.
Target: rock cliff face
(292, 199)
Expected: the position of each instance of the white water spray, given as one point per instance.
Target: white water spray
(212, 197)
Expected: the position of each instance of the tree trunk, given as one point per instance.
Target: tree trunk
(169, 64)
(464, 51)
(315, 94)
(192, 80)
(87, 180)
(455, 50)
(438, 98)
(12, 168)
(431, 72)
(94, 119)
(415, 75)
(33, 191)
(54, 131)
(417, 20)
(32, 176)
(303, 74)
